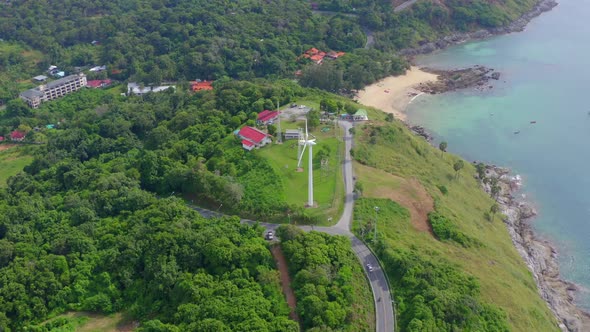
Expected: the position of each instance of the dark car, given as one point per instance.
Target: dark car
(270, 235)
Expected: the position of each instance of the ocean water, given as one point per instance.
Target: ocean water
(545, 78)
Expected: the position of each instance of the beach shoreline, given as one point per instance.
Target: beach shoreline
(393, 94)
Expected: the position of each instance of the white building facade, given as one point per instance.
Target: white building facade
(53, 90)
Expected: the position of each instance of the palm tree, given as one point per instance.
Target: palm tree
(457, 167)
(495, 208)
(443, 147)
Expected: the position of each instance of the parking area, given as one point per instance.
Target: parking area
(294, 112)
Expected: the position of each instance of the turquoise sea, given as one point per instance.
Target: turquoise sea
(545, 78)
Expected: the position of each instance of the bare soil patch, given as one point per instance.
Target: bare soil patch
(4, 147)
(285, 280)
(409, 193)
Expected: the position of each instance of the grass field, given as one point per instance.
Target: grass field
(90, 322)
(396, 157)
(12, 160)
(328, 185)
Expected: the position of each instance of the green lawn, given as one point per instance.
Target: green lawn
(504, 278)
(328, 184)
(12, 161)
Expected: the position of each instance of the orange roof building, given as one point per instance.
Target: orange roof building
(202, 86)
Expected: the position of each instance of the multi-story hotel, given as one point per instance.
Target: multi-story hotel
(53, 90)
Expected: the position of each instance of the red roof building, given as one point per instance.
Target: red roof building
(98, 83)
(202, 86)
(253, 138)
(318, 56)
(1, 138)
(17, 136)
(267, 117)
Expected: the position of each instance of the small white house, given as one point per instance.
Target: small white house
(360, 115)
(136, 89)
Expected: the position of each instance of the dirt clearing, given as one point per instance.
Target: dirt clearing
(409, 193)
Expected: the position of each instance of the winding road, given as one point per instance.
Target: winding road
(385, 321)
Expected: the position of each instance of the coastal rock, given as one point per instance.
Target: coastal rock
(449, 80)
(420, 131)
(495, 76)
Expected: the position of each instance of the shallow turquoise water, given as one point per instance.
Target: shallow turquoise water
(545, 78)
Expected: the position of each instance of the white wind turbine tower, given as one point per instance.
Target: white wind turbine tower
(308, 142)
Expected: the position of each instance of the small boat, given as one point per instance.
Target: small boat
(533, 122)
(517, 132)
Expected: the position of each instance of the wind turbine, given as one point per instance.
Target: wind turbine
(308, 142)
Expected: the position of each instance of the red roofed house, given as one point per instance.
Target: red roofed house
(17, 136)
(315, 55)
(267, 117)
(253, 138)
(98, 83)
(202, 85)
(1, 138)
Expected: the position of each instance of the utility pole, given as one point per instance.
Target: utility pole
(375, 228)
(280, 138)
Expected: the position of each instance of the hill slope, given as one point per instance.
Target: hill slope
(458, 244)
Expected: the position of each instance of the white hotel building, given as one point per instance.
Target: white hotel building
(53, 90)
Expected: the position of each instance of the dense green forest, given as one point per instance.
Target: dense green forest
(83, 228)
(153, 40)
(327, 281)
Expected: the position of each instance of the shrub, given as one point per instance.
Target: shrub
(445, 229)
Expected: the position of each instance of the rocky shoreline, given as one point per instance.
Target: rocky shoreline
(539, 255)
(458, 38)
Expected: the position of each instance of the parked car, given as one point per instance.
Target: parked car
(370, 267)
(270, 235)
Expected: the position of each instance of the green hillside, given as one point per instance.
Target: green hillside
(468, 260)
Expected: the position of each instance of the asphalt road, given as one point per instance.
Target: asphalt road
(385, 321)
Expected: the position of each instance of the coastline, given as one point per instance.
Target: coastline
(458, 38)
(539, 255)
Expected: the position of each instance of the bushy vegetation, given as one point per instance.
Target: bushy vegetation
(328, 280)
(427, 20)
(445, 229)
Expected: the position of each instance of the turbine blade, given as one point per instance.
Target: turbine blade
(306, 129)
(301, 155)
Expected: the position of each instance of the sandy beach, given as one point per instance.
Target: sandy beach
(393, 94)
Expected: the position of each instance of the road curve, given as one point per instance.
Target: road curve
(385, 321)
